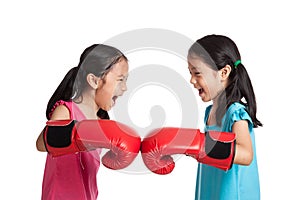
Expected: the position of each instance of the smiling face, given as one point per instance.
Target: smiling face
(112, 86)
(206, 80)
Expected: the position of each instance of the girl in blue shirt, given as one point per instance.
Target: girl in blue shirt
(219, 75)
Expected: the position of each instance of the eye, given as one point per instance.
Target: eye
(196, 73)
(123, 78)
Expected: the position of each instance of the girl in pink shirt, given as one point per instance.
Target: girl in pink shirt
(87, 91)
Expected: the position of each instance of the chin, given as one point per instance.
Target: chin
(205, 99)
(106, 108)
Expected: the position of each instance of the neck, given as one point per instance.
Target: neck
(212, 114)
(88, 105)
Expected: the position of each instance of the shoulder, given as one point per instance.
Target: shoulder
(60, 111)
(237, 112)
(236, 106)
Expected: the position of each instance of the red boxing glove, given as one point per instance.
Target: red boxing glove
(67, 136)
(212, 148)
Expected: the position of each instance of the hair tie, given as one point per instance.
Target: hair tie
(236, 63)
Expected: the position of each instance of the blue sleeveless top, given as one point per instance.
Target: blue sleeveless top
(238, 183)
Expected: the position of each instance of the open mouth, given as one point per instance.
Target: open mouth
(201, 91)
(114, 100)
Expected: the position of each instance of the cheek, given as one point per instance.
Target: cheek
(214, 85)
(103, 96)
(118, 88)
(202, 82)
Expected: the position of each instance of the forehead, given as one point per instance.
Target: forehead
(195, 63)
(120, 68)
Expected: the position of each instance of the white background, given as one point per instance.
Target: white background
(41, 41)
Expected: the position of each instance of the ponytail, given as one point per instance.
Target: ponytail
(241, 87)
(64, 91)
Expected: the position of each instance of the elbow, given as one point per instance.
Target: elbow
(248, 161)
(243, 158)
(40, 146)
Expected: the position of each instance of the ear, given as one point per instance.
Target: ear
(224, 72)
(93, 80)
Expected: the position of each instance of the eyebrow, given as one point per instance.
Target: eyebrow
(121, 75)
(192, 67)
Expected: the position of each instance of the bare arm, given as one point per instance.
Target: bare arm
(244, 151)
(60, 113)
(40, 146)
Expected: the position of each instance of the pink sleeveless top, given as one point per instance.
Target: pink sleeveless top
(73, 176)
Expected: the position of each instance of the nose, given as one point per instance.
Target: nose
(124, 87)
(192, 80)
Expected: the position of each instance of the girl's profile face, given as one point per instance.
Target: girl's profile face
(113, 85)
(206, 80)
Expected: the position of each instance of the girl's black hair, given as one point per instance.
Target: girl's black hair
(96, 59)
(218, 51)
